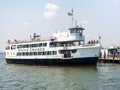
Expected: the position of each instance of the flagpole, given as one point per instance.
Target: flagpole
(71, 14)
(72, 17)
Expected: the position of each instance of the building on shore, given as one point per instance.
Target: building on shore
(110, 52)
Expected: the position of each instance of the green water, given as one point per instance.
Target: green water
(26, 77)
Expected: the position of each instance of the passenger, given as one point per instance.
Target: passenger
(94, 41)
(97, 41)
(91, 41)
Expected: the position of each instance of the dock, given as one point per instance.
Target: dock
(109, 60)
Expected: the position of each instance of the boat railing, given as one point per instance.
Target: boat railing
(27, 41)
(89, 45)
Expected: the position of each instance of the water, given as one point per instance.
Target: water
(26, 77)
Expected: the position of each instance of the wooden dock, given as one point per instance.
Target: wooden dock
(109, 60)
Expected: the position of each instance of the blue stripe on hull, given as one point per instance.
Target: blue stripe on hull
(76, 61)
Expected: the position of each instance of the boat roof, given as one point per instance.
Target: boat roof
(76, 28)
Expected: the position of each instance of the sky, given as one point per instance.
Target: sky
(21, 18)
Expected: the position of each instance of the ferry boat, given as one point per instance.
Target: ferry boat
(63, 48)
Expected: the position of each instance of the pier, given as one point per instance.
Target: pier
(110, 54)
(109, 60)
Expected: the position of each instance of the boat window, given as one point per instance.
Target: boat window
(26, 46)
(7, 48)
(31, 45)
(23, 53)
(13, 47)
(27, 53)
(47, 52)
(54, 52)
(40, 44)
(7, 53)
(31, 53)
(44, 44)
(23, 46)
(18, 46)
(71, 31)
(34, 45)
(35, 53)
(18, 54)
(64, 51)
(74, 51)
(44, 53)
(39, 53)
(52, 44)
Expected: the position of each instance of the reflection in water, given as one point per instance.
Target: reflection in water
(51, 77)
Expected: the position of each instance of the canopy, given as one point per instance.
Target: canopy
(112, 46)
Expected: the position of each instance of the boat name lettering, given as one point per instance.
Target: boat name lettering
(37, 49)
(31, 50)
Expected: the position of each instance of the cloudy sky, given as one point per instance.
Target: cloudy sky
(21, 18)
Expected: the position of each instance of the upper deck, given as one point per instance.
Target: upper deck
(75, 33)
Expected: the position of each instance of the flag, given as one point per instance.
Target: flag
(70, 13)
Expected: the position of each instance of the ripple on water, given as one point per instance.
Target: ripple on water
(25, 77)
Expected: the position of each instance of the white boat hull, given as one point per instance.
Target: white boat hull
(83, 56)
